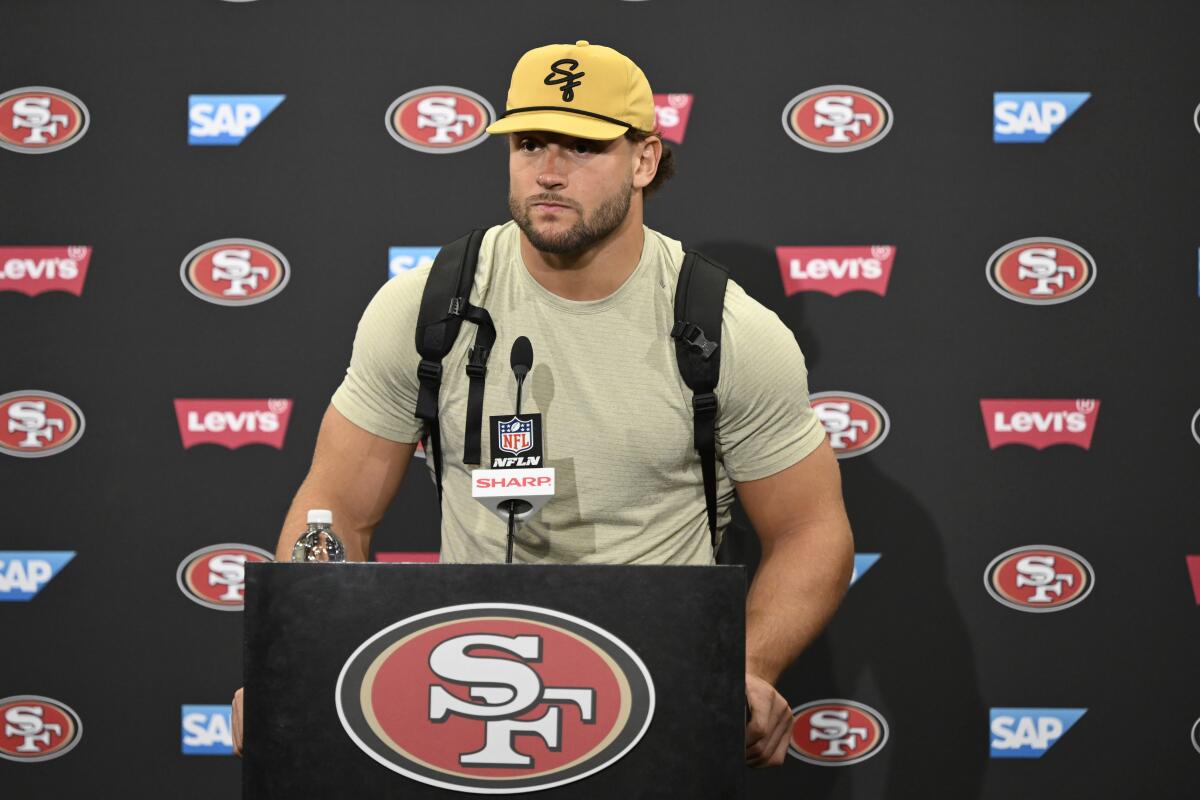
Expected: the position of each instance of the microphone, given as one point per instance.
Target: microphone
(518, 484)
(521, 360)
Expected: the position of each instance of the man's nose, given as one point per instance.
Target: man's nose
(550, 176)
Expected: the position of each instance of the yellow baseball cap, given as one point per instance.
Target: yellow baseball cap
(583, 90)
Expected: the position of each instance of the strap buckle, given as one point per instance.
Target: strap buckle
(693, 335)
(704, 403)
(429, 370)
(456, 306)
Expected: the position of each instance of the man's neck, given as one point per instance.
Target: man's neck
(592, 274)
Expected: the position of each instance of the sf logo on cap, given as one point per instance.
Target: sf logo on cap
(569, 80)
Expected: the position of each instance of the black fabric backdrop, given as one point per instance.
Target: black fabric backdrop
(918, 638)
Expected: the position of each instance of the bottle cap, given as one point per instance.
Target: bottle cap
(320, 516)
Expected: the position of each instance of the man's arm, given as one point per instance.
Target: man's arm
(355, 474)
(807, 559)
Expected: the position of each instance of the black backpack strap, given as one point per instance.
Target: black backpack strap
(699, 306)
(444, 305)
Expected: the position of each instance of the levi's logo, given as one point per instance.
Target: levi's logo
(671, 111)
(233, 423)
(1193, 565)
(1040, 423)
(33, 270)
(836, 270)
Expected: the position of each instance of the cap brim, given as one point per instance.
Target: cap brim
(562, 122)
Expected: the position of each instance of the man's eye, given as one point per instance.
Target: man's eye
(527, 145)
(582, 147)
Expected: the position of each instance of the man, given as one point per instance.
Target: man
(579, 274)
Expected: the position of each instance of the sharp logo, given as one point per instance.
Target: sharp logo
(862, 563)
(495, 698)
(671, 111)
(215, 576)
(33, 270)
(836, 733)
(1029, 732)
(855, 424)
(406, 259)
(1039, 578)
(227, 119)
(235, 272)
(35, 424)
(1040, 423)
(837, 119)
(836, 270)
(233, 423)
(1041, 271)
(38, 119)
(24, 573)
(439, 119)
(1032, 117)
(207, 730)
(37, 728)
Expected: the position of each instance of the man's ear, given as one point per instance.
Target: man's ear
(646, 155)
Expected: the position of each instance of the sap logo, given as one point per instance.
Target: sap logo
(207, 731)
(862, 563)
(1032, 116)
(218, 119)
(23, 573)
(1029, 732)
(404, 259)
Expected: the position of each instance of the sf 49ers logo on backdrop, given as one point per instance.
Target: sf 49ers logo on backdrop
(836, 270)
(834, 733)
(38, 119)
(439, 119)
(1039, 578)
(34, 424)
(33, 270)
(856, 424)
(1040, 423)
(1041, 271)
(37, 728)
(233, 423)
(837, 119)
(671, 111)
(215, 576)
(235, 272)
(495, 698)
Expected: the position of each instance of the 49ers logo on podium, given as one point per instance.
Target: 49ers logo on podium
(837, 119)
(36, 728)
(38, 119)
(1039, 578)
(855, 424)
(439, 119)
(235, 272)
(34, 424)
(215, 576)
(495, 698)
(1040, 423)
(834, 733)
(1041, 271)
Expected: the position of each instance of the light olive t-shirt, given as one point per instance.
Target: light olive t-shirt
(617, 415)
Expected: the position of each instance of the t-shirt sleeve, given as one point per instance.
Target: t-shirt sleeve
(379, 391)
(765, 422)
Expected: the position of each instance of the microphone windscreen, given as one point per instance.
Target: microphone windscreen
(522, 354)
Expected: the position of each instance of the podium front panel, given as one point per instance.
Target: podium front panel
(441, 680)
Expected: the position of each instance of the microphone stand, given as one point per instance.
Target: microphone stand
(512, 504)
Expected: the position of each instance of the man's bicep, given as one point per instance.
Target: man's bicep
(361, 470)
(805, 494)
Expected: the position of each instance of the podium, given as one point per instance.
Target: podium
(394, 681)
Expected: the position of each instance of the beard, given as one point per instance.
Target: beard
(584, 233)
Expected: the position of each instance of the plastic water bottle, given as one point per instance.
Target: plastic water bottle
(319, 542)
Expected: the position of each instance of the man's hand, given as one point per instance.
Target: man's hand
(237, 723)
(770, 725)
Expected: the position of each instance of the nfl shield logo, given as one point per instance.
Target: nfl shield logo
(516, 435)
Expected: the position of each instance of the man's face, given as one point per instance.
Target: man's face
(567, 193)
